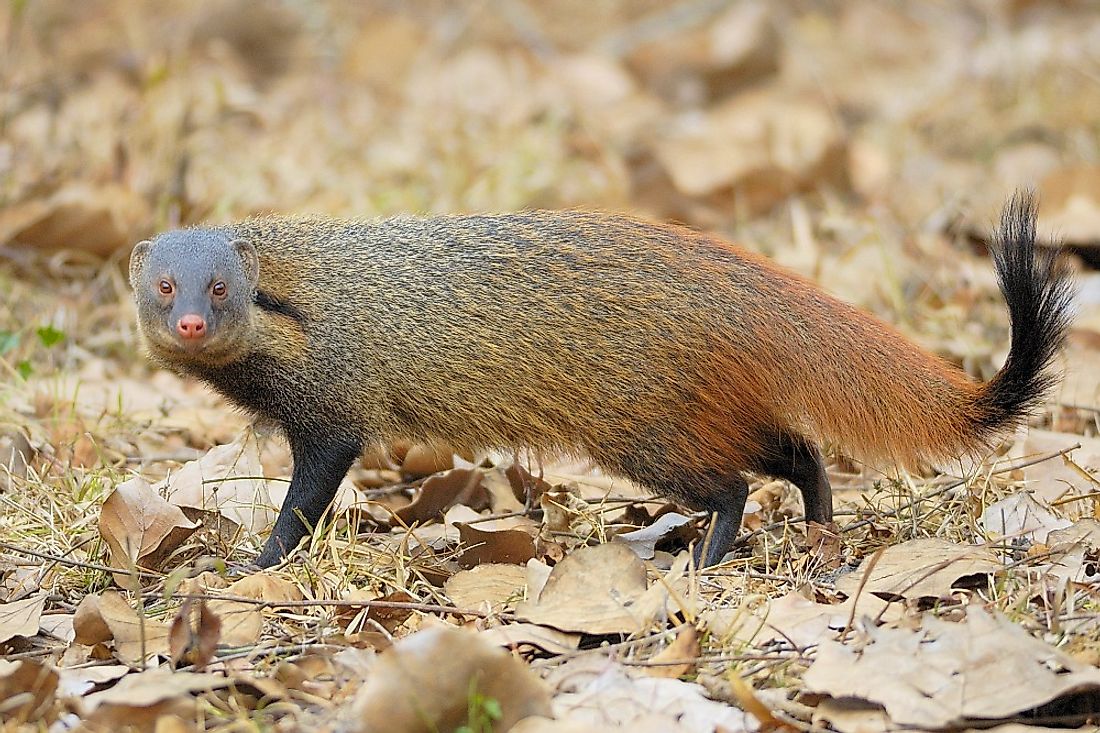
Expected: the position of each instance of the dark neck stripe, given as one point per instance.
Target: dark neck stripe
(271, 304)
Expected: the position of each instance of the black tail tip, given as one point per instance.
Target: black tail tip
(1039, 293)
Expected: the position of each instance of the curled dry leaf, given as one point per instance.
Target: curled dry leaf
(498, 585)
(140, 528)
(506, 540)
(443, 491)
(423, 460)
(678, 658)
(193, 635)
(425, 682)
(99, 219)
(548, 640)
(595, 590)
(948, 674)
(135, 638)
(79, 681)
(644, 541)
(922, 568)
(27, 692)
(88, 624)
(140, 699)
(229, 479)
(21, 618)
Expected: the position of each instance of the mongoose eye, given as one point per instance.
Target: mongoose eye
(218, 289)
(166, 287)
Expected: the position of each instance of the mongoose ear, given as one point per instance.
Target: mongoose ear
(249, 260)
(137, 261)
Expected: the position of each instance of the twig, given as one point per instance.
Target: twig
(405, 605)
(76, 563)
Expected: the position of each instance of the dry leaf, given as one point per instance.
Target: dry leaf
(765, 144)
(424, 683)
(605, 696)
(644, 541)
(678, 658)
(135, 638)
(27, 692)
(88, 624)
(140, 528)
(498, 585)
(243, 622)
(1020, 516)
(99, 219)
(21, 618)
(424, 460)
(193, 635)
(548, 640)
(442, 491)
(921, 568)
(794, 619)
(140, 699)
(79, 681)
(228, 479)
(946, 674)
(595, 590)
(506, 540)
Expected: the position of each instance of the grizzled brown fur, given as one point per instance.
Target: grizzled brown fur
(669, 356)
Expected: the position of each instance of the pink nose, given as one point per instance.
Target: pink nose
(191, 326)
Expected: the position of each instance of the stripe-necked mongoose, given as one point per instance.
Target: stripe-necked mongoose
(670, 357)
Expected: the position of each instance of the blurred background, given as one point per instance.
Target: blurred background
(866, 144)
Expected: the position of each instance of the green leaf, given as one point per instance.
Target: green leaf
(25, 369)
(50, 336)
(8, 341)
(492, 708)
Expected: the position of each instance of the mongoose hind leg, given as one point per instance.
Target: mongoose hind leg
(794, 458)
(320, 464)
(721, 493)
(725, 499)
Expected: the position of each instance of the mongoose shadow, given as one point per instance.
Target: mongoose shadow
(670, 357)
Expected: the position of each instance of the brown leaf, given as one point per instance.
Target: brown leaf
(194, 634)
(498, 585)
(391, 618)
(946, 674)
(921, 568)
(140, 527)
(548, 640)
(21, 618)
(507, 540)
(140, 699)
(27, 692)
(135, 638)
(228, 479)
(595, 590)
(442, 491)
(644, 541)
(88, 623)
(678, 658)
(243, 622)
(424, 682)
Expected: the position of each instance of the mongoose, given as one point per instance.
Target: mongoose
(670, 357)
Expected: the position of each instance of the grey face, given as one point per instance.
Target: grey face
(194, 290)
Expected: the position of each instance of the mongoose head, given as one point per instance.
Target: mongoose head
(194, 290)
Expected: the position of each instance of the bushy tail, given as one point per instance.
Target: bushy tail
(1039, 293)
(898, 402)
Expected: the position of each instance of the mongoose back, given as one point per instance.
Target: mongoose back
(670, 357)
